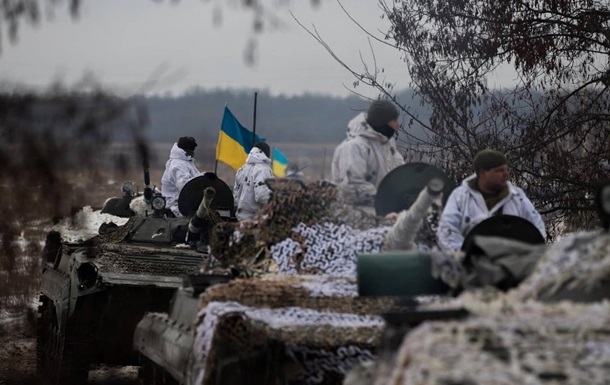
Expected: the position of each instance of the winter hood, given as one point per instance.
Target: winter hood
(359, 127)
(257, 156)
(178, 153)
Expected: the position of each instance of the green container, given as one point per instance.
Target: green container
(400, 273)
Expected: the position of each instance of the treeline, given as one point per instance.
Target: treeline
(280, 119)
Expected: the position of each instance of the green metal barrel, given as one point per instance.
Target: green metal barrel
(400, 273)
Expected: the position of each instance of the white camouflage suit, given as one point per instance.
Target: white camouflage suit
(250, 191)
(362, 160)
(179, 169)
(465, 208)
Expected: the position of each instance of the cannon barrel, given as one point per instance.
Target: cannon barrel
(198, 221)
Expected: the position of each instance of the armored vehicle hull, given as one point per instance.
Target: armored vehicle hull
(165, 339)
(268, 330)
(94, 292)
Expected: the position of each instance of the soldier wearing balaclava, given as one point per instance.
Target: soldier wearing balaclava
(368, 153)
(179, 169)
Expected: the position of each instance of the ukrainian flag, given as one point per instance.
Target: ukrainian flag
(234, 141)
(279, 163)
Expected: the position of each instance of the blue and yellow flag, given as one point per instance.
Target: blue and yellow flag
(279, 163)
(234, 141)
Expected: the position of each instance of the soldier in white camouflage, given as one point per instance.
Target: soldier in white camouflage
(251, 192)
(368, 153)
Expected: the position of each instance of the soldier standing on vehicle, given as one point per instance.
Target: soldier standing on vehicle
(179, 169)
(368, 153)
(482, 195)
(251, 192)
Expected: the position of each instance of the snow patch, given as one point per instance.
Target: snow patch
(85, 225)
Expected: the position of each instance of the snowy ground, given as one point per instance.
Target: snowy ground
(85, 224)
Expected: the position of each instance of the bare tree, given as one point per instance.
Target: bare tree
(553, 122)
(52, 151)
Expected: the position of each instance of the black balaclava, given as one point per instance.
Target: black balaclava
(188, 144)
(386, 131)
(379, 114)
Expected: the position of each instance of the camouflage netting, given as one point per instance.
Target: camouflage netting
(113, 256)
(307, 229)
(514, 337)
(507, 341)
(307, 320)
(118, 234)
(309, 329)
(124, 264)
(578, 261)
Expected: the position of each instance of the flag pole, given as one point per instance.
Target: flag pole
(254, 123)
(323, 163)
(216, 162)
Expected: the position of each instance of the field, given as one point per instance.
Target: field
(313, 159)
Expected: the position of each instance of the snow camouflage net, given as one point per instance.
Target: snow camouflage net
(314, 325)
(307, 315)
(509, 338)
(307, 229)
(579, 261)
(577, 266)
(507, 341)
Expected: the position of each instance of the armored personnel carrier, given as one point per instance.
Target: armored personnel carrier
(94, 292)
(271, 329)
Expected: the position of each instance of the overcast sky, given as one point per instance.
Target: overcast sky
(125, 43)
